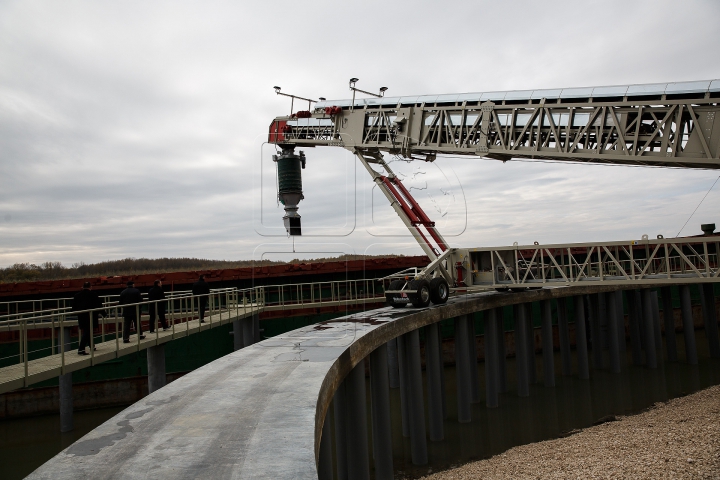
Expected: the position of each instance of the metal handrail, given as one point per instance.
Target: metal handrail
(106, 303)
(219, 300)
(652, 261)
(181, 306)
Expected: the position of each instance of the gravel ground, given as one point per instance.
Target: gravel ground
(677, 439)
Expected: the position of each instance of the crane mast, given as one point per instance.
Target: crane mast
(661, 125)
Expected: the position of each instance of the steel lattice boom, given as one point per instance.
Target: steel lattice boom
(670, 125)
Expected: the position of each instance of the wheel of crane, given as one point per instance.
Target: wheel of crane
(419, 293)
(439, 291)
(390, 297)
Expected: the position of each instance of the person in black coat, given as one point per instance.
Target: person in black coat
(86, 299)
(202, 289)
(157, 293)
(127, 297)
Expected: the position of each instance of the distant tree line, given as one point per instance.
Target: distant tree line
(29, 272)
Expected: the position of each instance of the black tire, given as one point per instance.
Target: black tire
(439, 291)
(419, 293)
(394, 285)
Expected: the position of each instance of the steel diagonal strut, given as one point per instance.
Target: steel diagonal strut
(407, 209)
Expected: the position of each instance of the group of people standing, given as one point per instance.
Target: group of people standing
(87, 299)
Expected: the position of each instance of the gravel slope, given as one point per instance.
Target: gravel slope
(677, 439)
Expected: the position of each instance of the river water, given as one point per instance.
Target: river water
(550, 412)
(27, 443)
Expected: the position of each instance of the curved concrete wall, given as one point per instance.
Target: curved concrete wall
(258, 412)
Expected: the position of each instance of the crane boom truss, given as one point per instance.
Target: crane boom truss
(677, 130)
(667, 125)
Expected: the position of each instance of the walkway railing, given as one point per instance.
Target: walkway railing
(182, 315)
(26, 365)
(646, 261)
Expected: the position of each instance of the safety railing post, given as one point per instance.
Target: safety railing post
(212, 305)
(156, 323)
(138, 324)
(20, 342)
(25, 352)
(117, 334)
(62, 344)
(171, 304)
(52, 335)
(92, 338)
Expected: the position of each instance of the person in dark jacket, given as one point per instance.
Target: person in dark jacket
(86, 299)
(127, 297)
(157, 309)
(202, 289)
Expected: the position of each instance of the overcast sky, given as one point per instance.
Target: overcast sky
(136, 129)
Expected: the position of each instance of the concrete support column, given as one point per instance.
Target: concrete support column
(602, 324)
(581, 338)
(613, 338)
(418, 443)
(66, 397)
(248, 336)
(325, 470)
(462, 369)
(620, 322)
(492, 370)
(442, 371)
(256, 327)
(649, 333)
(475, 395)
(634, 312)
(380, 404)
(237, 335)
(688, 325)
(564, 336)
(521, 351)
(156, 367)
(434, 383)
(502, 354)
(656, 322)
(358, 460)
(392, 363)
(404, 395)
(594, 321)
(669, 321)
(548, 351)
(530, 344)
(340, 412)
(710, 318)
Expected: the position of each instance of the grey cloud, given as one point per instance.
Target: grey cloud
(135, 129)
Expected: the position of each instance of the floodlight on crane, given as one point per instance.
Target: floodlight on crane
(354, 89)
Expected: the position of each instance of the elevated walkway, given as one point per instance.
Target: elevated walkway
(226, 306)
(51, 366)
